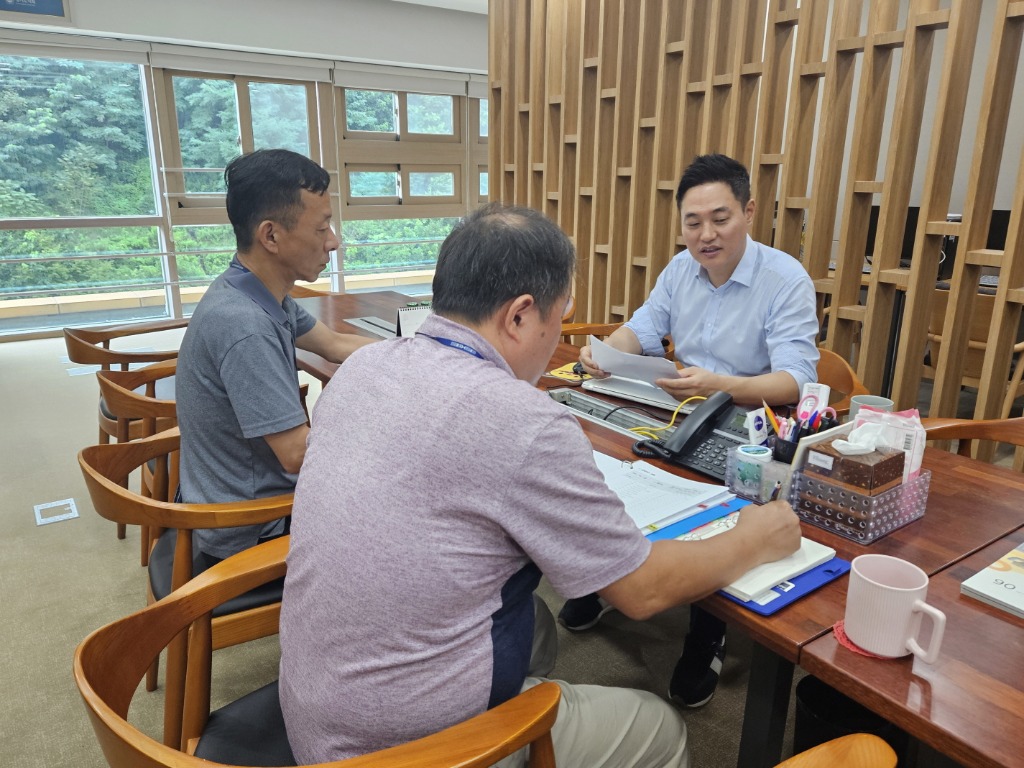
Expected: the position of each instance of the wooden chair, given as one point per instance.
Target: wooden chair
(981, 318)
(588, 329)
(841, 379)
(110, 662)
(966, 431)
(601, 330)
(858, 750)
(139, 398)
(91, 346)
(106, 469)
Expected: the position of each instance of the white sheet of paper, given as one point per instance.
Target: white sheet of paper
(654, 497)
(623, 364)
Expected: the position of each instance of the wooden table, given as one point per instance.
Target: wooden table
(333, 309)
(970, 505)
(969, 704)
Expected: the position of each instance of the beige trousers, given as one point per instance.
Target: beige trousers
(603, 727)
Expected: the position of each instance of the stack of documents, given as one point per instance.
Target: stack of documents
(655, 498)
(632, 376)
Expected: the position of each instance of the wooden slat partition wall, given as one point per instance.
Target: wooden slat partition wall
(1003, 62)
(597, 105)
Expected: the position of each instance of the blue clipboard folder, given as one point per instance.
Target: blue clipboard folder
(787, 592)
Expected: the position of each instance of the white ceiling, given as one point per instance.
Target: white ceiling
(469, 6)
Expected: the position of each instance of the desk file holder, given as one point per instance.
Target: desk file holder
(785, 593)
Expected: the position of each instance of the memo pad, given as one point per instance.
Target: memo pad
(410, 319)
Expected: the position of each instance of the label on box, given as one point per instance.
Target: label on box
(820, 460)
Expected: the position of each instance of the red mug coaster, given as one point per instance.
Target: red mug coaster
(839, 628)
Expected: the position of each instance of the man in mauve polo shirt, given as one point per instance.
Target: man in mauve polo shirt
(439, 485)
(243, 425)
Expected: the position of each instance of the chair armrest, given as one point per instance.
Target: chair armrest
(858, 750)
(477, 742)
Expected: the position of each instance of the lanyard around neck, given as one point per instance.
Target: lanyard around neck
(453, 344)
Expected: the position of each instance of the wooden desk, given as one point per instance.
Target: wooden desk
(969, 704)
(333, 309)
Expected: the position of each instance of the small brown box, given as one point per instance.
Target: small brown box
(870, 473)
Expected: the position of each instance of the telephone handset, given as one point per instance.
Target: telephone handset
(703, 441)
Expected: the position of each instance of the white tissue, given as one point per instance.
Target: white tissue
(863, 439)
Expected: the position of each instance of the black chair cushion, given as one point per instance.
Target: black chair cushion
(249, 731)
(161, 563)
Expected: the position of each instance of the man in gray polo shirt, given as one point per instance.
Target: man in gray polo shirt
(438, 486)
(243, 426)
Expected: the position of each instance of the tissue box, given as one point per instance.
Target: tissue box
(869, 473)
(857, 516)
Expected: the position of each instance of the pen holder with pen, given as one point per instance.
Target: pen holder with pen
(783, 451)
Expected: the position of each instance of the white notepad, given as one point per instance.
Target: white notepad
(759, 580)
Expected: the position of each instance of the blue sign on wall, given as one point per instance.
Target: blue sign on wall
(35, 7)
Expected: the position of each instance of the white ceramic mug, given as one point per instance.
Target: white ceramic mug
(884, 607)
(875, 401)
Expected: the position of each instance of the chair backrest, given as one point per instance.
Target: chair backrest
(111, 661)
(588, 329)
(966, 431)
(119, 390)
(106, 469)
(91, 346)
(841, 379)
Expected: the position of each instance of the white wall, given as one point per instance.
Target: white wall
(363, 30)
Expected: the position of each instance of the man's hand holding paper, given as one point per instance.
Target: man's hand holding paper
(609, 361)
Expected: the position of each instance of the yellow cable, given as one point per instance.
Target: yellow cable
(646, 431)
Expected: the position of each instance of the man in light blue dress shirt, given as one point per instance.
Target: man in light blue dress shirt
(740, 313)
(742, 318)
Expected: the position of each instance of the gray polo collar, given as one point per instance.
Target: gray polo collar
(240, 278)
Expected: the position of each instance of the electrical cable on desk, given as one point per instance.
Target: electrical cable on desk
(648, 432)
(644, 411)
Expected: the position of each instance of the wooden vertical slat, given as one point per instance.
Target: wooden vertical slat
(948, 125)
(793, 200)
(768, 154)
(863, 176)
(989, 144)
(832, 142)
(901, 159)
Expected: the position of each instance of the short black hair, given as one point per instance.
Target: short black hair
(499, 252)
(707, 169)
(268, 184)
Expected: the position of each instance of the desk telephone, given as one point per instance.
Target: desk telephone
(703, 441)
